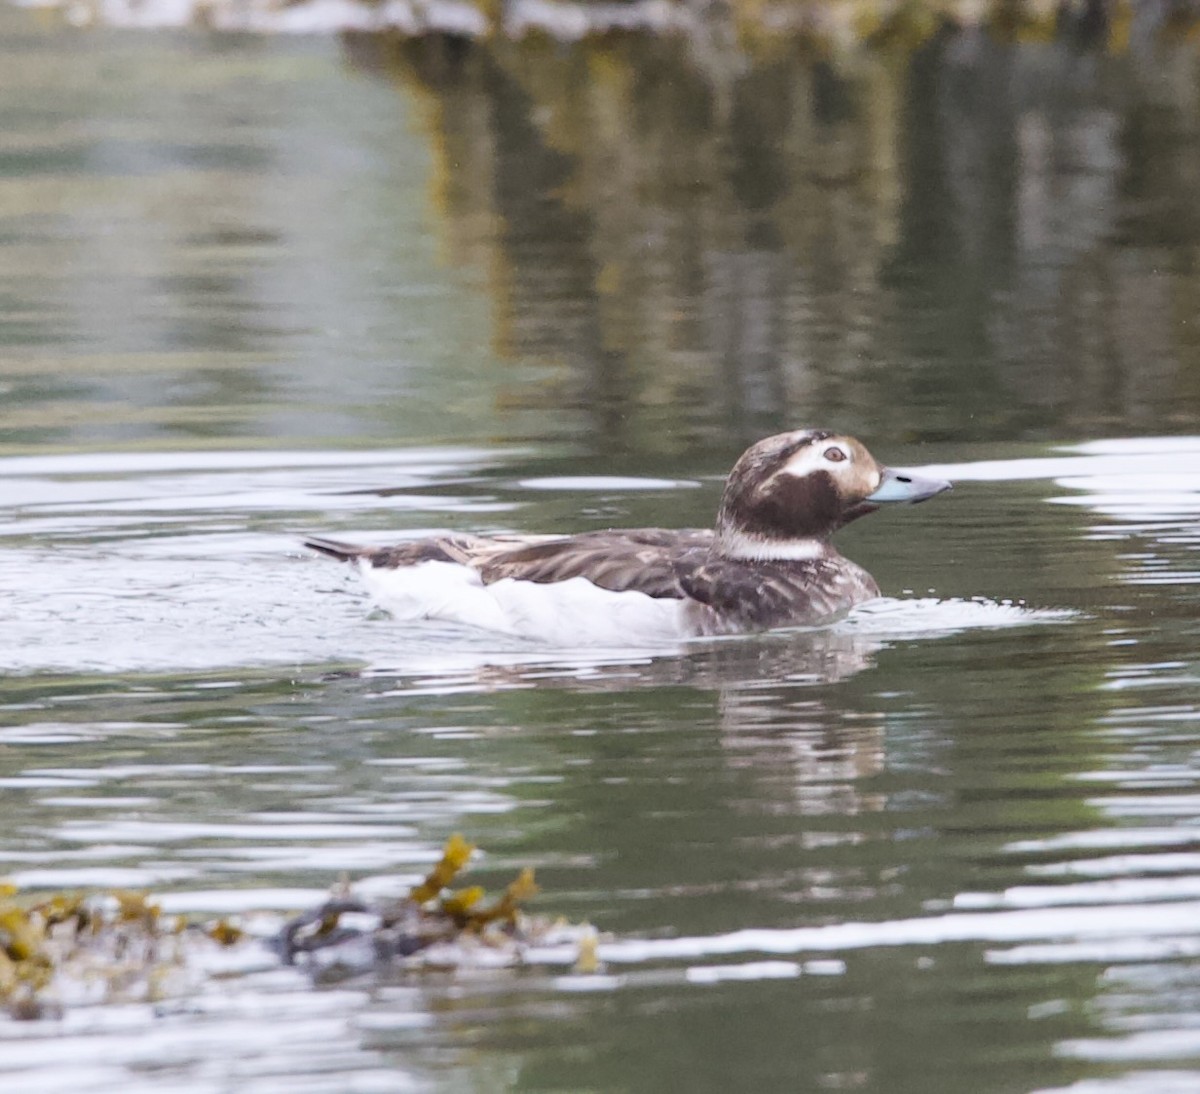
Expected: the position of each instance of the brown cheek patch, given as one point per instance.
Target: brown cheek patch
(793, 507)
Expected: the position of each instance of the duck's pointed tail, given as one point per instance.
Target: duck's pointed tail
(343, 552)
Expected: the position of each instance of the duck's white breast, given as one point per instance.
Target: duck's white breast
(563, 613)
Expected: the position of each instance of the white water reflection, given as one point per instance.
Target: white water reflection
(1114, 922)
(1146, 489)
(213, 1044)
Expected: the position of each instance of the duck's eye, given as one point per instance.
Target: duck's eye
(834, 455)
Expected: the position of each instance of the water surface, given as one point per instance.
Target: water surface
(252, 289)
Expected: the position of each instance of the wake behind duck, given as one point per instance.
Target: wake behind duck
(768, 562)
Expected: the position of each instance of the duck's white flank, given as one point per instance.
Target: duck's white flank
(565, 613)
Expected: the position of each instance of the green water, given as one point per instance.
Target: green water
(253, 288)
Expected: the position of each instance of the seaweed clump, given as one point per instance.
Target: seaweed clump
(106, 947)
(443, 926)
(119, 946)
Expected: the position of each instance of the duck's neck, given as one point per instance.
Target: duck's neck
(733, 543)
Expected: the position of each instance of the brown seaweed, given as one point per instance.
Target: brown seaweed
(118, 945)
(426, 916)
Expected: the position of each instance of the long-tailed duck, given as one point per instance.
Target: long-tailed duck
(767, 563)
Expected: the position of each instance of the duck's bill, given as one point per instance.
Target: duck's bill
(905, 486)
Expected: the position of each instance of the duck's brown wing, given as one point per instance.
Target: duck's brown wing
(644, 560)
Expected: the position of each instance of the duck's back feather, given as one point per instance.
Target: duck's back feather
(644, 560)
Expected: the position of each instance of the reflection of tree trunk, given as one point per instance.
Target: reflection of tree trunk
(913, 247)
(743, 306)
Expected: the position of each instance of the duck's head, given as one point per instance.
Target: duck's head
(789, 493)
